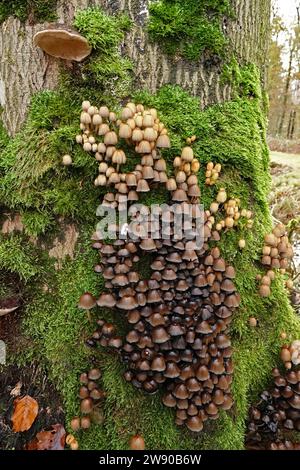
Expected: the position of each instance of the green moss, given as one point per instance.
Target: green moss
(34, 182)
(105, 71)
(3, 137)
(189, 27)
(104, 32)
(36, 11)
(17, 256)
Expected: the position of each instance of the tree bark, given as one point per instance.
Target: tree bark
(25, 69)
(286, 90)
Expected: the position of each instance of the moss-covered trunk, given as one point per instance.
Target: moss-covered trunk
(208, 86)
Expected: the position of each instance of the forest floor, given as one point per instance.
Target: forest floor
(285, 194)
(285, 204)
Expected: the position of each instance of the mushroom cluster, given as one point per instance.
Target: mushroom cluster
(179, 316)
(110, 139)
(212, 173)
(290, 355)
(179, 319)
(278, 411)
(91, 397)
(232, 209)
(277, 252)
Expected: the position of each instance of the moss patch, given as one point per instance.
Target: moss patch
(37, 11)
(106, 74)
(33, 181)
(189, 27)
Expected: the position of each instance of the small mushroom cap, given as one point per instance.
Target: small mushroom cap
(61, 42)
(195, 424)
(137, 443)
(87, 301)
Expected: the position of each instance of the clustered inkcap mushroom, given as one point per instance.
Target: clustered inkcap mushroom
(179, 317)
(276, 255)
(278, 411)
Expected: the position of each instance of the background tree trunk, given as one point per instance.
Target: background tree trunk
(25, 69)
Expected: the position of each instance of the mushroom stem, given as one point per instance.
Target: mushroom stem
(89, 316)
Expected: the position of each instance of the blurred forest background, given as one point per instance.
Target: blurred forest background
(283, 86)
(284, 77)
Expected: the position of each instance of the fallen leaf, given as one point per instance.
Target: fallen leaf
(25, 412)
(49, 440)
(16, 391)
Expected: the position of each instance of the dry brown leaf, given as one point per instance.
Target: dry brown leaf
(16, 391)
(25, 412)
(49, 440)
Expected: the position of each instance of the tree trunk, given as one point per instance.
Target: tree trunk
(25, 69)
(286, 89)
(230, 128)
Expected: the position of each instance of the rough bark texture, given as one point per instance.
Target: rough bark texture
(24, 69)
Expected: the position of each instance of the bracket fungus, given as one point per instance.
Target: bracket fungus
(62, 42)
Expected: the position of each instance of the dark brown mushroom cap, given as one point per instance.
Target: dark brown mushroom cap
(223, 312)
(182, 286)
(61, 42)
(158, 364)
(193, 385)
(204, 328)
(154, 296)
(200, 281)
(195, 424)
(172, 370)
(106, 300)
(87, 301)
(218, 397)
(181, 392)
(219, 265)
(175, 329)
(230, 272)
(94, 374)
(202, 373)
(160, 335)
(228, 286)
(169, 275)
(211, 409)
(115, 342)
(232, 301)
(169, 400)
(223, 382)
(148, 244)
(295, 402)
(127, 303)
(291, 376)
(228, 402)
(182, 404)
(217, 366)
(222, 341)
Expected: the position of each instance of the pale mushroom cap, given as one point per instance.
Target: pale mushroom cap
(63, 44)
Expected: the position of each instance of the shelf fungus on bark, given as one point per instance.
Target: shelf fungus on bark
(62, 42)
